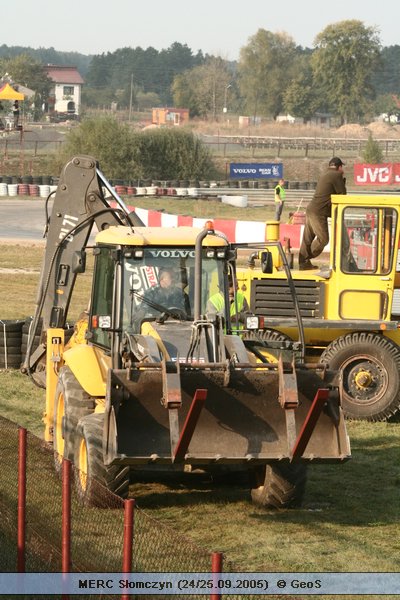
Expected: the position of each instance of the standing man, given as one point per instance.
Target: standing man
(316, 232)
(280, 195)
(15, 110)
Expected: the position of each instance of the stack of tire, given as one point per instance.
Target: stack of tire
(10, 343)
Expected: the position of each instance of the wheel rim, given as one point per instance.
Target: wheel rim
(58, 433)
(83, 466)
(364, 379)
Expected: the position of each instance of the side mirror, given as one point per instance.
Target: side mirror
(267, 265)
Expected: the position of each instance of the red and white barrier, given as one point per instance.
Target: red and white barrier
(236, 231)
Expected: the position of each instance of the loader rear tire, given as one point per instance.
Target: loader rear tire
(279, 485)
(91, 474)
(370, 366)
(71, 403)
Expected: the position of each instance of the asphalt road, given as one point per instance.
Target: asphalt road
(22, 219)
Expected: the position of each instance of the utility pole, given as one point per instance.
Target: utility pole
(130, 100)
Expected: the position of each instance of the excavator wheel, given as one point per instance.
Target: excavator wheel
(370, 367)
(71, 403)
(265, 335)
(90, 470)
(279, 485)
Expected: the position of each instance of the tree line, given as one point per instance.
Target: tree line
(347, 74)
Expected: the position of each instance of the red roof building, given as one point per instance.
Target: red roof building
(65, 95)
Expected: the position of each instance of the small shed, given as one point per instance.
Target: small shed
(170, 116)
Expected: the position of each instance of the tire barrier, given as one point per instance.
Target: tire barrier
(14, 338)
(10, 343)
(43, 185)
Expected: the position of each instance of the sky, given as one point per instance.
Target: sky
(218, 27)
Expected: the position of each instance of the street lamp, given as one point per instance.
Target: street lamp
(225, 110)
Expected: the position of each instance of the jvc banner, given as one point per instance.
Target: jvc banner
(256, 170)
(383, 174)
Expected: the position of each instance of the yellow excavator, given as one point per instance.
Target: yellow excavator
(350, 310)
(151, 379)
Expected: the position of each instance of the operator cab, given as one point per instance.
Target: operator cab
(150, 284)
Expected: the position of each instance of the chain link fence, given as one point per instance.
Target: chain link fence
(97, 534)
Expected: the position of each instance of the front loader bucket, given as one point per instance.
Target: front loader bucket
(241, 423)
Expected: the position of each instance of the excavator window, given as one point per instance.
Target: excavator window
(145, 293)
(368, 236)
(102, 297)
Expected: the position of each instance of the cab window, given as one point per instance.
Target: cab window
(102, 298)
(368, 236)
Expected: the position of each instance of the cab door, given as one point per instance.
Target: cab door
(366, 243)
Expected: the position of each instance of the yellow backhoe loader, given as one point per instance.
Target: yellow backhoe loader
(151, 379)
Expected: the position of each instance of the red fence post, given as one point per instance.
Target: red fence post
(129, 506)
(66, 520)
(216, 567)
(21, 535)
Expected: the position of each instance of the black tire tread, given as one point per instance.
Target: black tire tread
(283, 486)
(11, 326)
(266, 335)
(77, 404)
(115, 478)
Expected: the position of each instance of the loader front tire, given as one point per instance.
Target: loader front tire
(279, 485)
(91, 474)
(71, 403)
(257, 338)
(370, 367)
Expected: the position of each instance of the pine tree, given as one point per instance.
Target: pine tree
(372, 153)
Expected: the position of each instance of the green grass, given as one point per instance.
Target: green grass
(206, 209)
(18, 288)
(349, 520)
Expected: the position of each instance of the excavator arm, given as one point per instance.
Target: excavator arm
(79, 204)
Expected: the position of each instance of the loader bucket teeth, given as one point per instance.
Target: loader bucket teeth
(242, 423)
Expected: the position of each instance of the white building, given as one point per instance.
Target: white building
(65, 95)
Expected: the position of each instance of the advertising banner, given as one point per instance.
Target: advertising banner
(256, 170)
(383, 174)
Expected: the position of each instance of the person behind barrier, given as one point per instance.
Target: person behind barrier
(2, 124)
(238, 308)
(15, 109)
(280, 195)
(316, 232)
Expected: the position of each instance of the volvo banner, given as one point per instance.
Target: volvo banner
(256, 170)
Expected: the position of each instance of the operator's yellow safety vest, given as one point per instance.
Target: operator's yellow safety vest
(218, 301)
(282, 194)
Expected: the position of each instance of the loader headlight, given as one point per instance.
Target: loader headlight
(253, 322)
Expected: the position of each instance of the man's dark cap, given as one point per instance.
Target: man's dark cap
(336, 162)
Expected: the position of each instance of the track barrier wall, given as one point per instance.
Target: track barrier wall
(44, 527)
